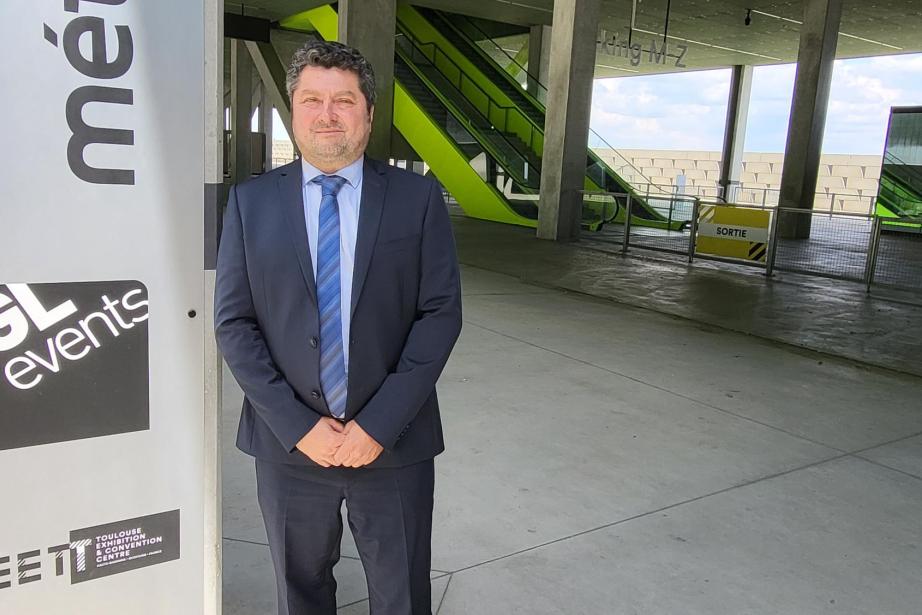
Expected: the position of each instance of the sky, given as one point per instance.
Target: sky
(688, 110)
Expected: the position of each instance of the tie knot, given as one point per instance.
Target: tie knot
(330, 184)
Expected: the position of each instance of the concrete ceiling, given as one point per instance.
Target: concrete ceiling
(712, 30)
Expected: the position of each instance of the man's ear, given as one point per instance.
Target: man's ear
(371, 114)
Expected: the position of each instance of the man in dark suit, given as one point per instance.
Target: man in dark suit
(337, 303)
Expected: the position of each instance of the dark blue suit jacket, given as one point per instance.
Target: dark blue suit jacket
(406, 314)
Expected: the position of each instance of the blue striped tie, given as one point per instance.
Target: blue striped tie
(332, 362)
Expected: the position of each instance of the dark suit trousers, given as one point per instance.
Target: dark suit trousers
(389, 513)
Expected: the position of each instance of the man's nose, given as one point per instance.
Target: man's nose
(328, 111)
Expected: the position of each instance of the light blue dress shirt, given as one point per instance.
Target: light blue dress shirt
(349, 199)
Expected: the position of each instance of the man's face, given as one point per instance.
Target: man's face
(329, 117)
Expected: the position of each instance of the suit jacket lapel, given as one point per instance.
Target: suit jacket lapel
(291, 195)
(374, 186)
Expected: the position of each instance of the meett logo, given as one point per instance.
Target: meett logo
(74, 359)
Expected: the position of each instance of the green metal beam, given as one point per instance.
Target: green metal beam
(478, 198)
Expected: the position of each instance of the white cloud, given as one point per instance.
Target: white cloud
(679, 111)
(689, 109)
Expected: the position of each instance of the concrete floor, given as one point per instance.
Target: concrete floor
(605, 458)
(825, 315)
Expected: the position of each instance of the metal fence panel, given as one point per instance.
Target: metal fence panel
(658, 239)
(836, 245)
(899, 258)
(672, 209)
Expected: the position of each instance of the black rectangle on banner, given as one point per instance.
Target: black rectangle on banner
(73, 361)
(121, 546)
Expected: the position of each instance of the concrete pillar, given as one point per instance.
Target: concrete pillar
(369, 26)
(265, 124)
(566, 129)
(213, 207)
(731, 160)
(539, 55)
(808, 113)
(241, 111)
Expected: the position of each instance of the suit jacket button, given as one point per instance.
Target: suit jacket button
(314, 342)
(315, 394)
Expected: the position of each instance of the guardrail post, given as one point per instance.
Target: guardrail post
(694, 230)
(626, 241)
(772, 243)
(873, 246)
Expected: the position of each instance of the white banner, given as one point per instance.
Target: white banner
(101, 307)
(733, 231)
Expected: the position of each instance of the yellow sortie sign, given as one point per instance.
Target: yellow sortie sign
(733, 232)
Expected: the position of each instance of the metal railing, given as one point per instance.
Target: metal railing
(512, 160)
(619, 224)
(841, 201)
(864, 248)
(895, 256)
(828, 244)
(596, 141)
(507, 118)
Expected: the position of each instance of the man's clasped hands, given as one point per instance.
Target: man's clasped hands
(330, 443)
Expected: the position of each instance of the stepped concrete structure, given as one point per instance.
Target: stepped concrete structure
(845, 182)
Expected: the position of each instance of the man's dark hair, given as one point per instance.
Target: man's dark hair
(329, 54)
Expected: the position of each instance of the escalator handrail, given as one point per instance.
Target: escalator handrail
(910, 169)
(534, 128)
(460, 116)
(499, 48)
(491, 101)
(541, 107)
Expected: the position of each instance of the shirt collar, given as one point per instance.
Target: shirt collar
(352, 173)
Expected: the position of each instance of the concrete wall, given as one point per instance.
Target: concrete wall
(846, 182)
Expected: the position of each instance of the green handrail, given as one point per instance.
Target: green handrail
(597, 175)
(541, 88)
(496, 113)
(501, 111)
(478, 198)
(507, 165)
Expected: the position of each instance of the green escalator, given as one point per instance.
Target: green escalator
(492, 88)
(514, 155)
(900, 192)
(485, 149)
(487, 154)
(451, 148)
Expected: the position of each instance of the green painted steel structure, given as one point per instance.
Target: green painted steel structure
(454, 115)
(448, 161)
(900, 191)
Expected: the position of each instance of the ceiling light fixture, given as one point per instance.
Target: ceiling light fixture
(624, 70)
